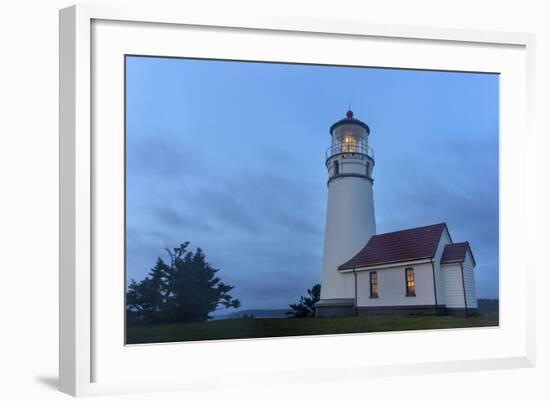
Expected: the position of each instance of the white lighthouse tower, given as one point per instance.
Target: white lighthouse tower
(350, 211)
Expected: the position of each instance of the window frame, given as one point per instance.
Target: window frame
(408, 292)
(373, 294)
(76, 293)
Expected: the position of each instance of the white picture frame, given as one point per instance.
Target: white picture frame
(84, 328)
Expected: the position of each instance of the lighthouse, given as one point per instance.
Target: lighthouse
(414, 270)
(350, 221)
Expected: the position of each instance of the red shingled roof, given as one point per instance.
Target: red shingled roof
(398, 246)
(455, 253)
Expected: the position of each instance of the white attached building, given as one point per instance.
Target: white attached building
(418, 270)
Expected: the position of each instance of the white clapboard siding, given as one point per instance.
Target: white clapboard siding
(392, 288)
(452, 279)
(469, 282)
(439, 280)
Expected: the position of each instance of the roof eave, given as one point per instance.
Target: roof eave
(471, 253)
(446, 229)
(386, 265)
(352, 121)
(451, 262)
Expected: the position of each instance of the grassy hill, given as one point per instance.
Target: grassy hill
(258, 328)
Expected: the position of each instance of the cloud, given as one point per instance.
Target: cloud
(174, 217)
(156, 155)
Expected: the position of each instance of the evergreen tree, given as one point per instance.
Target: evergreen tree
(305, 307)
(186, 290)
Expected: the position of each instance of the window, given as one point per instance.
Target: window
(411, 286)
(373, 285)
(336, 167)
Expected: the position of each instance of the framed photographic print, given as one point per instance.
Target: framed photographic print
(271, 191)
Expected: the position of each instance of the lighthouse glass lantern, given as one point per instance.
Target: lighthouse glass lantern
(349, 136)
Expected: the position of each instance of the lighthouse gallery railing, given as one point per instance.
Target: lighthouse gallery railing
(342, 147)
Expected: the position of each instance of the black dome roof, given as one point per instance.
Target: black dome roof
(349, 120)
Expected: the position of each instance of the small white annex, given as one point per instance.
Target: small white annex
(416, 270)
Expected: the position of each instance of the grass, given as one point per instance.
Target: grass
(258, 328)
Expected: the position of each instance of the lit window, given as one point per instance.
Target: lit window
(411, 286)
(336, 167)
(373, 285)
(350, 144)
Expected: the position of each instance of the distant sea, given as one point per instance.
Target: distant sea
(487, 306)
(256, 313)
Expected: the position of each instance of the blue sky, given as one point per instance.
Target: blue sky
(230, 156)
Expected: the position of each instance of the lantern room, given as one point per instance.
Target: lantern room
(349, 135)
